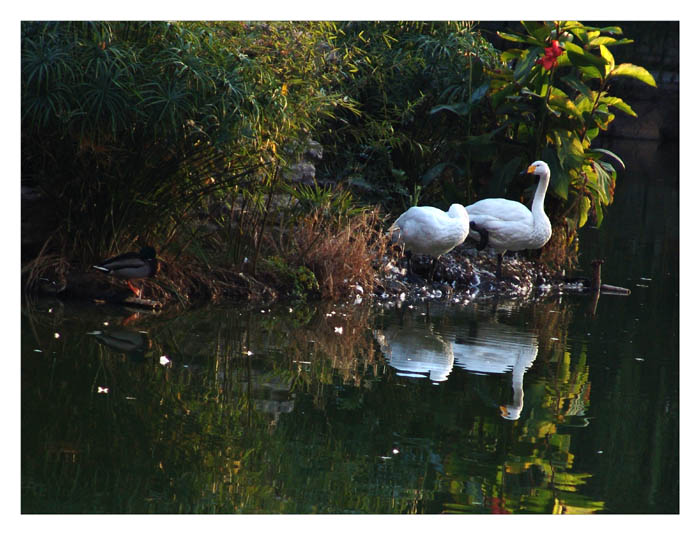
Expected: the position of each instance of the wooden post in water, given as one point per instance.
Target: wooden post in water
(595, 285)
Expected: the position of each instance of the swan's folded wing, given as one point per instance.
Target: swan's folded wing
(501, 209)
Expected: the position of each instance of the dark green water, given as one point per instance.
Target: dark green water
(549, 406)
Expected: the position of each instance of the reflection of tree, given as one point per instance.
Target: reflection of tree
(290, 411)
(526, 467)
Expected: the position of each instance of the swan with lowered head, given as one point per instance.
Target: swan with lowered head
(431, 231)
(507, 225)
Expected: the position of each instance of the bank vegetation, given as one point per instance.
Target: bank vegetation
(267, 158)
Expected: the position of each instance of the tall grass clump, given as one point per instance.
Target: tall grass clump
(327, 245)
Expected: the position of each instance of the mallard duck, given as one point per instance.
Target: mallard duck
(506, 225)
(131, 266)
(429, 230)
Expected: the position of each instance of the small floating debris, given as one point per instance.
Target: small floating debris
(164, 361)
(338, 330)
(56, 335)
(38, 351)
(103, 390)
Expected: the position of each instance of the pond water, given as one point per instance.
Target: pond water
(554, 405)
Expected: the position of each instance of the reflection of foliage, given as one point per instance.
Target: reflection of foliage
(282, 411)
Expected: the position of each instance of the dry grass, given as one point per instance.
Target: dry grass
(331, 253)
(47, 271)
(341, 253)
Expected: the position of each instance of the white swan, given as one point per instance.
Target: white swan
(431, 231)
(509, 225)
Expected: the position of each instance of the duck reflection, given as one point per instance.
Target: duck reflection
(419, 350)
(127, 341)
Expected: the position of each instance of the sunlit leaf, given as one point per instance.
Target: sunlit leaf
(537, 30)
(584, 59)
(562, 103)
(580, 32)
(603, 40)
(611, 155)
(583, 208)
(615, 30)
(518, 38)
(525, 65)
(634, 71)
(603, 118)
(608, 57)
(619, 104)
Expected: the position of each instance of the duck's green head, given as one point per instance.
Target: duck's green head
(147, 253)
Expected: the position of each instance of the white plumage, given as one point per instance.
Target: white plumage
(509, 225)
(431, 231)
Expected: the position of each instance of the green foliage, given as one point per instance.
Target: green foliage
(442, 110)
(127, 126)
(417, 85)
(555, 110)
(133, 129)
(300, 280)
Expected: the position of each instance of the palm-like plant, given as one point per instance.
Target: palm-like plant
(126, 125)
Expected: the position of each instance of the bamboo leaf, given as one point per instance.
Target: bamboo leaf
(463, 108)
(515, 38)
(435, 171)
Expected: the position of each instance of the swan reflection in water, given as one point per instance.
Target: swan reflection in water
(416, 351)
(419, 350)
(499, 349)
